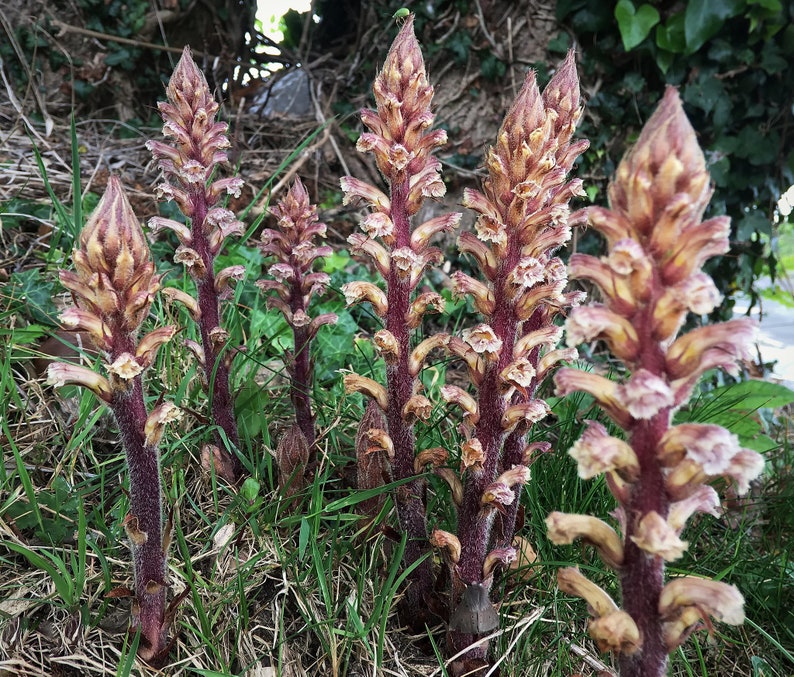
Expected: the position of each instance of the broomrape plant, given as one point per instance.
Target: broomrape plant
(649, 280)
(401, 139)
(113, 287)
(189, 165)
(523, 218)
(296, 282)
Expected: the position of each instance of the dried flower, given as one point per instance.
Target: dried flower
(597, 452)
(565, 529)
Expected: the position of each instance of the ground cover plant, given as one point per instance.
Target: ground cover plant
(299, 572)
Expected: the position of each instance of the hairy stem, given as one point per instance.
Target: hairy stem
(216, 369)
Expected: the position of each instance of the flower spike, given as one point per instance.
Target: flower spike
(293, 244)
(650, 279)
(113, 287)
(399, 135)
(522, 217)
(195, 149)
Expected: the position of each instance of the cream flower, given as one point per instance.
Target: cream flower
(482, 340)
(597, 452)
(645, 395)
(656, 536)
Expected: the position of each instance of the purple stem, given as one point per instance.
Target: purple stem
(513, 448)
(143, 463)
(505, 525)
(410, 497)
(215, 367)
(642, 574)
(474, 523)
(301, 379)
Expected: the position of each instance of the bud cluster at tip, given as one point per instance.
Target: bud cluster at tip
(198, 147)
(199, 141)
(401, 140)
(649, 280)
(113, 287)
(292, 243)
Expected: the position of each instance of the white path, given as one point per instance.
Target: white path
(776, 339)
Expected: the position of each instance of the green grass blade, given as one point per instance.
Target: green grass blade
(52, 565)
(64, 217)
(24, 477)
(783, 650)
(128, 653)
(77, 191)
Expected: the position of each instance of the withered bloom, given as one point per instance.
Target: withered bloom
(295, 282)
(649, 280)
(196, 150)
(113, 287)
(292, 457)
(522, 220)
(402, 140)
(372, 458)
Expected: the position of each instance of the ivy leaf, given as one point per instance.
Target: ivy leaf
(491, 67)
(588, 17)
(664, 60)
(720, 170)
(752, 223)
(772, 61)
(122, 56)
(670, 36)
(771, 5)
(704, 18)
(565, 7)
(756, 147)
(706, 93)
(634, 23)
(560, 44)
(459, 44)
(30, 290)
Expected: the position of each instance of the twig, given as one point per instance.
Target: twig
(510, 55)
(305, 155)
(68, 28)
(48, 122)
(322, 119)
(496, 48)
(588, 658)
(522, 627)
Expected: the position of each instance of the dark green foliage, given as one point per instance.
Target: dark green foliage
(30, 293)
(729, 59)
(58, 511)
